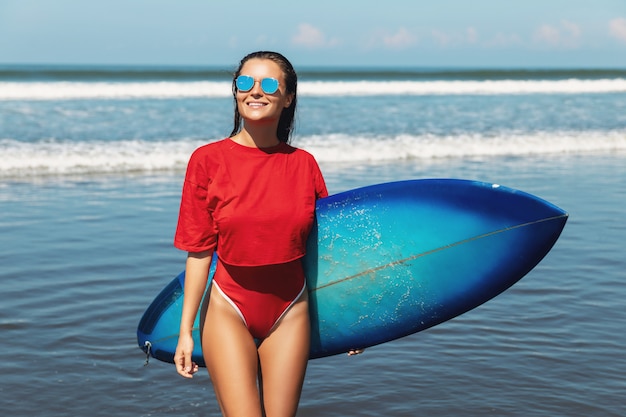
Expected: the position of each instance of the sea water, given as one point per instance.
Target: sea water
(91, 167)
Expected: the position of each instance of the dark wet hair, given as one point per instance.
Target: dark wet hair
(286, 121)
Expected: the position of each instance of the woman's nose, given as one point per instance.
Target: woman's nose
(256, 88)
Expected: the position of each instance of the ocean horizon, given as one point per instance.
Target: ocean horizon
(40, 137)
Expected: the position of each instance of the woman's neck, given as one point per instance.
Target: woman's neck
(257, 136)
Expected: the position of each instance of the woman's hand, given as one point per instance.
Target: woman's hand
(184, 365)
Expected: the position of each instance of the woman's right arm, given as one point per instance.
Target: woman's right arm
(196, 276)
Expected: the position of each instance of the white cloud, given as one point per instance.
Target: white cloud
(617, 29)
(504, 40)
(401, 39)
(564, 35)
(441, 38)
(571, 29)
(548, 34)
(311, 37)
(471, 35)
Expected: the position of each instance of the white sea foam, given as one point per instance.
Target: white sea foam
(364, 88)
(59, 158)
(65, 90)
(21, 159)
(345, 148)
(62, 90)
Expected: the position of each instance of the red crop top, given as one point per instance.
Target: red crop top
(253, 206)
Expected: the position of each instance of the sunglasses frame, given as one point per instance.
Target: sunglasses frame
(267, 89)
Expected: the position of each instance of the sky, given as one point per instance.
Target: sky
(317, 33)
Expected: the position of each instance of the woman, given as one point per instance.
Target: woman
(251, 198)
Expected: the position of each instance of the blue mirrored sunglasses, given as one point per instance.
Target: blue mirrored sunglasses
(245, 83)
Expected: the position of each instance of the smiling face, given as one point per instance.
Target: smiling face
(256, 106)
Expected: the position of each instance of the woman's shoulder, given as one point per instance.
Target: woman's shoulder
(205, 161)
(207, 151)
(210, 147)
(301, 153)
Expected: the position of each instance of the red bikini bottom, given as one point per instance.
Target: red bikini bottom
(260, 294)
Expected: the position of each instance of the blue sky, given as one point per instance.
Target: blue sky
(388, 33)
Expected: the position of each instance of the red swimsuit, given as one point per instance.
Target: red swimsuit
(255, 207)
(260, 294)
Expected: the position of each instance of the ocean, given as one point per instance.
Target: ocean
(91, 166)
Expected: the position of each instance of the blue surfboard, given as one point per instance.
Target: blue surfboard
(389, 260)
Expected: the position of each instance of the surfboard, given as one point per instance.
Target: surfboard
(389, 260)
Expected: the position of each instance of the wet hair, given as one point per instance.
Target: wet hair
(286, 121)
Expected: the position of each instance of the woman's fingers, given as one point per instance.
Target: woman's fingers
(184, 365)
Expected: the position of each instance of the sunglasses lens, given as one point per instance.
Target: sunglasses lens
(244, 83)
(269, 85)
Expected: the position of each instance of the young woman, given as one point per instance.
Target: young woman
(251, 198)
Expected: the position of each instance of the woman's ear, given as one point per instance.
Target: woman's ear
(289, 100)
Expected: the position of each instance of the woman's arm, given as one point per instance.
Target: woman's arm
(196, 276)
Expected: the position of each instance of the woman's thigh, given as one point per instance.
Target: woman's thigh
(231, 358)
(284, 355)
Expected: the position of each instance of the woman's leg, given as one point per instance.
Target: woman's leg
(231, 358)
(284, 355)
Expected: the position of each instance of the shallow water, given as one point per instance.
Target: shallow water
(82, 257)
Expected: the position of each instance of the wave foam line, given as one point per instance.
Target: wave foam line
(98, 157)
(346, 148)
(21, 159)
(215, 89)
